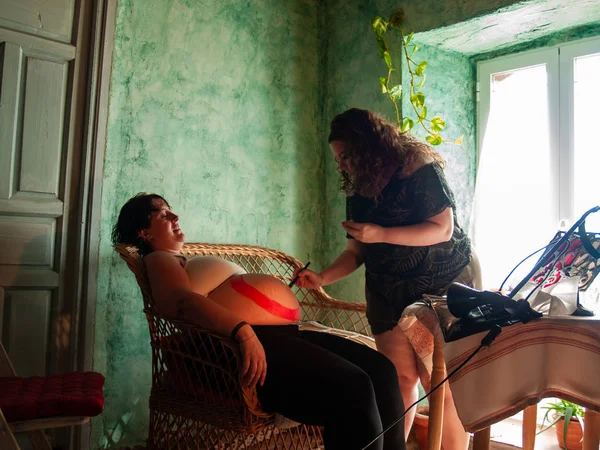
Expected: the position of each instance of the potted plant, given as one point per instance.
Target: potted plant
(567, 417)
(416, 72)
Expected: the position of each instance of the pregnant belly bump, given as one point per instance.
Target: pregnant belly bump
(258, 299)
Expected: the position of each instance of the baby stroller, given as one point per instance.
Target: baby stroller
(568, 266)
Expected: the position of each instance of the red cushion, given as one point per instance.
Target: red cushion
(65, 394)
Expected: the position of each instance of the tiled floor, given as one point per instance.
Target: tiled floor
(506, 435)
(509, 432)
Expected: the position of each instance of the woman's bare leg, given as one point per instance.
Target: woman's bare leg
(454, 436)
(395, 345)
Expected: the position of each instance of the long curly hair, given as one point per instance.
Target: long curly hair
(372, 143)
(135, 216)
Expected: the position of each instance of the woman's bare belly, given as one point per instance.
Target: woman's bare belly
(258, 299)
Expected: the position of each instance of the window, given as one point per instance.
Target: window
(538, 151)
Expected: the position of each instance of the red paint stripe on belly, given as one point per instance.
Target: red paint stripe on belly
(271, 306)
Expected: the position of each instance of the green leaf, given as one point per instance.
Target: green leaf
(459, 141)
(420, 68)
(379, 25)
(414, 50)
(383, 84)
(381, 46)
(542, 429)
(396, 92)
(417, 99)
(562, 410)
(408, 38)
(422, 82)
(423, 114)
(407, 124)
(388, 60)
(434, 139)
(437, 123)
(568, 415)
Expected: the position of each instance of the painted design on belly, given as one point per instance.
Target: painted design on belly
(271, 306)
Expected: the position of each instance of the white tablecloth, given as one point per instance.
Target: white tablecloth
(548, 357)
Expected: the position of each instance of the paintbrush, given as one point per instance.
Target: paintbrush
(298, 275)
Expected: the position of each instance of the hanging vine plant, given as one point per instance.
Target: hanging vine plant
(434, 125)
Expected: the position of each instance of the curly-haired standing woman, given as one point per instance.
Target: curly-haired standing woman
(401, 223)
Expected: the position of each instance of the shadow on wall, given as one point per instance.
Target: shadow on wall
(308, 136)
(294, 183)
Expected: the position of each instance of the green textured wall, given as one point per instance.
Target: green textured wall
(215, 105)
(559, 37)
(522, 22)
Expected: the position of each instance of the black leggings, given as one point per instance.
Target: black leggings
(321, 379)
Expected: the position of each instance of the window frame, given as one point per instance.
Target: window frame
(568, 52)
(560, 77)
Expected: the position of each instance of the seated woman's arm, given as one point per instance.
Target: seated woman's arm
(174, 298)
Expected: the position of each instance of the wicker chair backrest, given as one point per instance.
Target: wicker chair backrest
(134, 261)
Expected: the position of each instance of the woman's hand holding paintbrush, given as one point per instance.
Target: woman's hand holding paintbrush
(306, 278)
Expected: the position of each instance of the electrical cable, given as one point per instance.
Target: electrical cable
(554, 248)
(522, 306)
(485, 342)
(521, 262)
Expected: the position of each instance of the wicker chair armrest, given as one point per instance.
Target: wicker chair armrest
(321, 307)
(327, 301)
(195, 355)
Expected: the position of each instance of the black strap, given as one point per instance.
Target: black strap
(586, 242)
(235, 330)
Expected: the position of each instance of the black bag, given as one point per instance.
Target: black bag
(467, 311)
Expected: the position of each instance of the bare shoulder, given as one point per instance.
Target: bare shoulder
(167, 277)
(162, 259)
(415, 164)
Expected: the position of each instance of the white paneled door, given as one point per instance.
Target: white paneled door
(45, 50)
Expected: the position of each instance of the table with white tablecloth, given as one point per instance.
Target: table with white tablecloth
(555, 356)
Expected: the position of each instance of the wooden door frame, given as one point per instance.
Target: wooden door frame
(100, 15)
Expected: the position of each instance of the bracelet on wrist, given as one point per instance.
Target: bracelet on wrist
(235, 330)
(248, 338)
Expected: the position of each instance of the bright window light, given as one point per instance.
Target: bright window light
(586, 143)
(538, 151)
(513, 210)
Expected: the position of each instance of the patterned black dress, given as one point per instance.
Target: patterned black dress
(398, 275)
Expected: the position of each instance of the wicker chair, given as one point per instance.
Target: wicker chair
(197, 401)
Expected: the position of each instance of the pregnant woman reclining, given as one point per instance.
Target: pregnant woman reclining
(311, 377)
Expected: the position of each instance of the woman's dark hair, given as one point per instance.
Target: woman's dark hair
(372, 143)
(134, 217)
